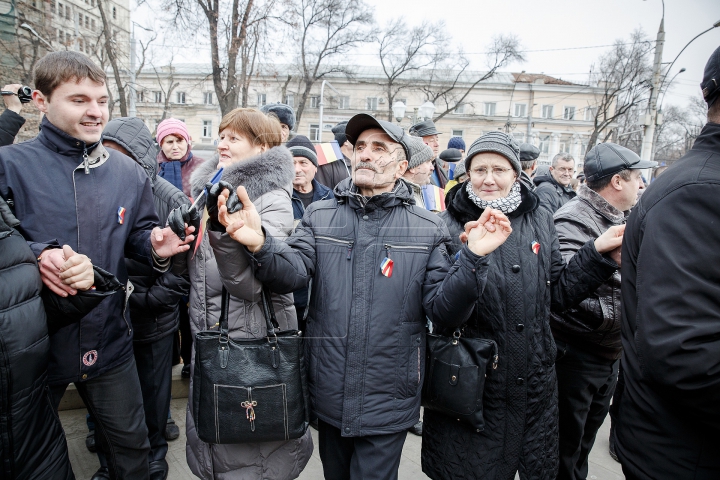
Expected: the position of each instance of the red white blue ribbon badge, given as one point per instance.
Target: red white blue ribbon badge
(386, 267)
(535, 247)
(121, 215)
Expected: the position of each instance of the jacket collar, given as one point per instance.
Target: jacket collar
(60, 142)
(464, 210)
(601, 206)
(346, 191)
(320, 191)
(709, 138)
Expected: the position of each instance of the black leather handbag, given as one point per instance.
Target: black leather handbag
(455, 371)
(250, 390)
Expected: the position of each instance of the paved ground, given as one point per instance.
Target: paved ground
(602, 466)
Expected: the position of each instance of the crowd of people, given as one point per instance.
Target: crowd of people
(118, 246)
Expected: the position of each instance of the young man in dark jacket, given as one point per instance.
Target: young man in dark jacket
(588, 335)
(380, 268)
(554, 189)
(668, 423)
(64, 187)
(155, 302)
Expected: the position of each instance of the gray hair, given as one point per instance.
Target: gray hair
(564, 156)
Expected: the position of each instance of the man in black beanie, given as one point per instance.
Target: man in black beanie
(668, 418)
(285, 114)
(333, 173)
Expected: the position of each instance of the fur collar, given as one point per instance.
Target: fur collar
(602, 206)
(464, 210)
(271, 170)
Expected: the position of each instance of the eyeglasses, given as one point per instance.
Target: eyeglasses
(565, 170)
(497, 172)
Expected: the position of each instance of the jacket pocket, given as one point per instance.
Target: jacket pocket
(250, 414)
(410, 377)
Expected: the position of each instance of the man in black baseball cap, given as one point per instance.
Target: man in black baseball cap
(588, 336)
(668, 420)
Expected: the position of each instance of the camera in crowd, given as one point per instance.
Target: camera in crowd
(24, 94)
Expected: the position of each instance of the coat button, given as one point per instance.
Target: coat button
(516, 268)
(520, 327)
(520, 380)
(365, 217)
(84, 376)
(347, 429)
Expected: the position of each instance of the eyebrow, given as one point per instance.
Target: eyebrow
(83, 95)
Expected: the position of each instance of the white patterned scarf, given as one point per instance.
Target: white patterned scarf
(504, 204)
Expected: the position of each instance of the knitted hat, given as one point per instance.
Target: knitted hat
(497, 142)
(339, 132)
(301, 146)
(284, 113)
(172, 126)
(457, 142)
(459, 170)
(419, 152)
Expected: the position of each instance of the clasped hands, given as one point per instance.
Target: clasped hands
(65, 272)
(487, 233)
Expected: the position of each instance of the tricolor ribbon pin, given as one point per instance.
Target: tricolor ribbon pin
(121, 215)
(386, 267)
(535, 247)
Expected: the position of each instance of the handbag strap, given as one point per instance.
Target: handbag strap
(268, 312)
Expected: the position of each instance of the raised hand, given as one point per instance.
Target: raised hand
(65, 272)
(166, 243)
(243, 225)
(181, 217)
(213, 192)
(610, 239)
(487, 233)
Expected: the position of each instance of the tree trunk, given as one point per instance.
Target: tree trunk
(113, 60)
(303, 99)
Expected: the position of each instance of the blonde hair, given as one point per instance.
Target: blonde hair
(259, 128)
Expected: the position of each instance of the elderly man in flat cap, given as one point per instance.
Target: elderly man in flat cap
(380, 269)
(429, 135)
(528, 160)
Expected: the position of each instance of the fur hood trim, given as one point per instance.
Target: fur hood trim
(602, 206)
(271, 170)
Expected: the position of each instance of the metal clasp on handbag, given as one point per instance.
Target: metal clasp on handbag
(249, 405)
(456, 336)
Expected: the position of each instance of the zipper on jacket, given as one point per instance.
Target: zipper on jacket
(388, 247)
(343, 242)
(86, 161)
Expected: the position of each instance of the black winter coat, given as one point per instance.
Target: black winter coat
(366, 331)
(594, 324)
(10, 124)
(520, 397)
(32, 441)
(333, 173)
(668, 422)
(154, 304)
(552, 195)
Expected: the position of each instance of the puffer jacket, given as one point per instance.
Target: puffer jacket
(218, 263)
(594, 324)
(154, 304)
(32, 441)
(365, 330)
(520, 397)
(552, 195)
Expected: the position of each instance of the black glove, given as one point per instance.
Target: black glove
(182, 215)
(233, 203)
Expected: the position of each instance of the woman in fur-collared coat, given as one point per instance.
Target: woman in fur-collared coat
(250, 155)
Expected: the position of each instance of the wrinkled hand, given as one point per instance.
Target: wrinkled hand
(213, 192)
(167, 243)
(244, 225)
(182, 216)
(65, 272)
(12, 102)
(610, 239)
(487, 233)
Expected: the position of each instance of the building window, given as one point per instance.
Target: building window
(545, 144)
(590, 113)
(290, 100)
(67, 12)
(569, 113)
(344, 102)
(261, 99)
(314, 132)
(520, 110)
(87, 21)
(208, 98)
(371, 103)
(114, 13)
(459, 109)
(457, 133)
(583, 148)
(490, 109)
(158, 97)
(180, 97)
(315, 102)
(547, 111)
(92, 24)
(80, 45)
(207, 129)
(140, 96)
(52, 7)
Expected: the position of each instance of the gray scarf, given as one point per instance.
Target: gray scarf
(504, 204)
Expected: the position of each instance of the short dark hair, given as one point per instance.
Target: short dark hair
(57, 68)
(600, 183)
(713, 113)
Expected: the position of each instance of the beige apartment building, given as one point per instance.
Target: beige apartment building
(553, 114)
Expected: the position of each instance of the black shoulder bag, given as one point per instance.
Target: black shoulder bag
(250, 390)
(455, 371)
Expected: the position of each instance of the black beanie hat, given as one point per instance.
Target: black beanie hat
(301, 146)
(339, 131)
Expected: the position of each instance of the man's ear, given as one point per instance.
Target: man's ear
(402, 168)
(40, 100)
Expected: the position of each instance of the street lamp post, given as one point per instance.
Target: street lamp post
(132, 111)
(322, 105)
(27, 27)
(426, 110)
(399, 109)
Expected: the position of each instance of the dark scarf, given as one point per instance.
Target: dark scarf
(171, 170)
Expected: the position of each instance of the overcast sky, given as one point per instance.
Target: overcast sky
(561, 24)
